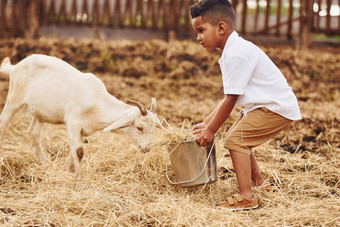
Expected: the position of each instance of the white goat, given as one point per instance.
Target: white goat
(55, 92)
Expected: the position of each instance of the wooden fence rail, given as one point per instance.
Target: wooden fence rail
(270, 17)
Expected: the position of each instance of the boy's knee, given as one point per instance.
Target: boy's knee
(237, 147)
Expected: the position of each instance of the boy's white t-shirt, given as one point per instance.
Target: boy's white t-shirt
(248, 72)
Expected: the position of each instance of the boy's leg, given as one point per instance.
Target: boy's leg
(244, 200)
(246, 170)
(256, 175)
(243, 169)
(249, 131)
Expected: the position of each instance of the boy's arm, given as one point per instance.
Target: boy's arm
(213, 122)
(208, 119)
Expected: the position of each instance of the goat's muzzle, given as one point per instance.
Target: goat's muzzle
(145, 150)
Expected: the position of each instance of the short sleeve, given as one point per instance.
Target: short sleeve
(236, 73)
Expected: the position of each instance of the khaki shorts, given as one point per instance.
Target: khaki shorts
(255, 128)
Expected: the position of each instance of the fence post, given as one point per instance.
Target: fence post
(339, 19)
(174, 22)
(244, 16)
(73, 12)
(290, 19)
(256, 15)
(165, 10)
(153, 13)
(187, 16)
(317, 29)
(106, 14)
(117, 14)
(62, 13)
(52, 12)
(95, 13)
(278, 17)
(33, 29)
(266, 23)
(14, 20)
(305, 25)
(174, 13)
(128, 13)
(44, 13)
(85, 11)
(3, 22)
(328, 17)
(140, 18)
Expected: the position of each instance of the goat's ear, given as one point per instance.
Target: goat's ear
(153, 108)
(159, 124)
(124, 122)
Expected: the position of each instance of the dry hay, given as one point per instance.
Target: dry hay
(123, 187)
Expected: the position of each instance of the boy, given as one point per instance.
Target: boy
(251, 80)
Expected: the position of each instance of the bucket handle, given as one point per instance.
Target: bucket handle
(188, 181)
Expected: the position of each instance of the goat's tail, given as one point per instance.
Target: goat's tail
(6, 66)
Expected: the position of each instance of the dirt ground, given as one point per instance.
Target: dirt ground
(123, 187)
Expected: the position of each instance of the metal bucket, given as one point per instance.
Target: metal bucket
(192, 164)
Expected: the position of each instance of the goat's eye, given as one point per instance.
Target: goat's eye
(140, 129)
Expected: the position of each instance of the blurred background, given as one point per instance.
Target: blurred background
(301, 21)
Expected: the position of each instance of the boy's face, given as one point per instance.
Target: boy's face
(207, 34)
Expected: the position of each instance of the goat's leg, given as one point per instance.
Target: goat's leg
(68, 163)
(34, 133)
(77, 152)
(7, 114)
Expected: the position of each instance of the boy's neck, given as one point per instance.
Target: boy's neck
(226, 37)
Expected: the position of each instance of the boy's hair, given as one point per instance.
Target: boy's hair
(214, 11)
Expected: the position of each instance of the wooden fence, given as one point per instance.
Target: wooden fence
(271, 17)
(277, 16)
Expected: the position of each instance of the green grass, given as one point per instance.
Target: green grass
(326, 37)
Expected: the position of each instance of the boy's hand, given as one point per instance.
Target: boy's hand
(204, 135)
(196, 130)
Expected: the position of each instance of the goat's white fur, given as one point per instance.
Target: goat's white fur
(55, 92)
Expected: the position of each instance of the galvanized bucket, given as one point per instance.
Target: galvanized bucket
(192, 164)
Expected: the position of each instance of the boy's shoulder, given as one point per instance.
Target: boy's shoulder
(242, 49)
(238, 46)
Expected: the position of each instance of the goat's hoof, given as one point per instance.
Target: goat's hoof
(44, 161)
(86, 140)
(79, 175)
(67, 168)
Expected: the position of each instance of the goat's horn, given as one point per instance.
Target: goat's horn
(153, 108)
(140, 106)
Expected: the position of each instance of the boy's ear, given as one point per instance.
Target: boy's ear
(222, 27)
